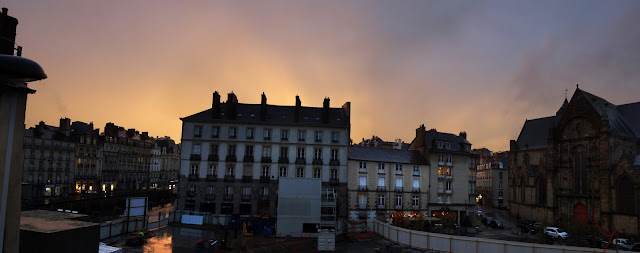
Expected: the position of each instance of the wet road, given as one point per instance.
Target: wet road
(172, 239)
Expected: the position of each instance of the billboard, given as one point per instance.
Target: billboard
(137, 206)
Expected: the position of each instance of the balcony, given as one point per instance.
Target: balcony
(362, 206)
(213, 158)
(399, 172)
(440, 162)
(334, 162)
(212, 178)
(316, 162)
(398, 188)
(380, 206)
(440, 177)
(265, 159)
(301, 161)
(362, 170)
(416, 207)
(210, 196)
(247, 179)
(227, 197)
(264, 197)
(246, 198)
(191, 194)
(381, 171)
(193, 177)
(440, 190)
(247, 159)
(333, 181)
(229, 178)
(447, 191)
(381, 188)
(231, 158)
(416, 173)
(195, 157)
(283, 160)
(415, 189)
(398, 207)
(264, 179)
(362, 188)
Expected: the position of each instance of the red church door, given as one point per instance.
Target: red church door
(580, 214)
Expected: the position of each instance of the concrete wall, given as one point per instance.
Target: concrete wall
(78, 240)
(298, 203)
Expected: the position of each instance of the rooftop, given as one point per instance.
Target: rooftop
(45, 221)
(385, 155)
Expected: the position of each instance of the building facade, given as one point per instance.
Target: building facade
(580, 163)
(492, 178)
(383, 181)
(233, 154)
(165, 164)
(452, 174)
(49, 160)
(88, 171)
(127, 158)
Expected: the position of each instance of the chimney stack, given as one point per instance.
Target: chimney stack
(215, 106)
(65, 126)
(421, 145)
(297, 109)
(232, 106)
(263, 107)
(131, 132)
(325, 110)
(463, 134)
(8, 27)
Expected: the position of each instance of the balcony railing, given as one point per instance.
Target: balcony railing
(381, 171)
(264, 179)
(334, 162)
(247, 179)
(447, 191)
(398, 172)
(265, 159)
(362, 187)
(416, 207)
(246, 197)
(398, 188)
(381, 207)
(213, 158)
(300, 161)
(440, 190)
(264, 197)
(316, 162)
(448, 177)
(333, 181)
(282, 160)
(210, 196)
(415, 189)
(416, 173)
(398, 207)
(362, 206)
(381, 188)
(191, 194)
(227, 197)
(362, 170)
(229, 178)
(212, 178)
(231, 158)
(195, 157)
(193, 177)
(247, 159)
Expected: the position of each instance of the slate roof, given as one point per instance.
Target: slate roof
(48, 132)
(282, 115)
(534, 133)
(167, 143)
(617, 122)
(431, 136)
(385, 155)
(631, 114)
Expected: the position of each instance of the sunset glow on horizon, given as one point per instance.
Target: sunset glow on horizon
(480, 67)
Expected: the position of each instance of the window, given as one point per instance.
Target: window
(301, 135)
(448, 199)
(416, 201)
(448, 171)
(300, 154)
(334, 174)
(265, 171)
(416, 170)
(625, 196)
(335, 137)
(362, 201)
(317, 154)
(416, 185)
(248, 151)
(232, 150)
(542, 191)
(283, 171)
(264, 191)
(266, 134)
(230, 171)
(580, 170)
(381, 182)
(196, 149)
(398, 169)
(246, 191)
(398, 184)
(363, 165)
(334, 154)
(500, 175)
(266, 151)
(316, 173)
(211, 190)
(318, 136)
(284, 134)
(447, 185)
(233, 132)
(194, 169)
(250, 132)
(500, 185)
(215, 131)
(212, 170)
(500, 194)
(284, 152)
(381, 200)
(228, 191)
(381, 168)
(398, 200)
(192, 188)
(300, 172)
(439, 144)
(363, 182)
(197, 131)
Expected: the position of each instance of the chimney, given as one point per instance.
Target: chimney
(145, 135)
(91, 125)
(325, 111)
(420, 144)
(96, 132)
(232, 106)
(297, 109)
(463, 134)
(65, 124)
(263, 107)
(8, 27)
(131, 132)
(215, 106)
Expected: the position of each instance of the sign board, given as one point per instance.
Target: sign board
(192, 219)
(137, 206)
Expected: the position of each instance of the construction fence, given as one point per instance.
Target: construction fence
(130, 224)
(452, 243)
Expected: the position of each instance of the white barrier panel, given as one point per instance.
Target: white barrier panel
(191, 219)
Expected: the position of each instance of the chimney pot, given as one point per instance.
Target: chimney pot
(5, 11)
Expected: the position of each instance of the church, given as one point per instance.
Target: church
(581, 164)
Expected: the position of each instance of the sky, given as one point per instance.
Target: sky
(483, 67)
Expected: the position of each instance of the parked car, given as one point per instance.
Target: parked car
(635, 247)
(524, 229)
(555, 233)
(496, 224)
(622, 243)
(486, 220)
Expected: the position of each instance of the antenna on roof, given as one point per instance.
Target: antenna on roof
(565, 93)
(577, 86)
